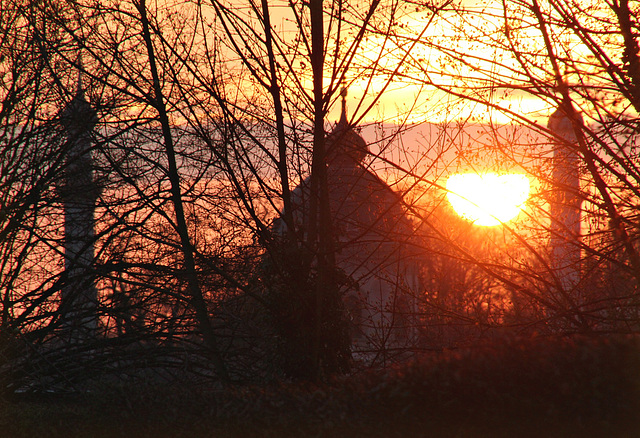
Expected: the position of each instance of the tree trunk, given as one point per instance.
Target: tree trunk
(193, 284)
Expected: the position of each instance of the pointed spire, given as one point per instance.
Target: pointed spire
(78, 114)
(346, 145)
(343, 113)
(79, 85)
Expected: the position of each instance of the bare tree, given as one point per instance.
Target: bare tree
(519, 62)
(207, 117)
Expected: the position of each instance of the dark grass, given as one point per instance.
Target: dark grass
(575, 387)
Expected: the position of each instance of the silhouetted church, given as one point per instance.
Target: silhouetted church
(373, 240)
(566, 200)
(79, 193)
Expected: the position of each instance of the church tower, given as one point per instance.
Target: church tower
(379, 265)
(345, 146)
(79, 194)
(565, 200)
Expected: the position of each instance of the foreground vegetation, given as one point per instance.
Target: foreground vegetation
(572, 387)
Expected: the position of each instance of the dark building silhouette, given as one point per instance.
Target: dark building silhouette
(566, 201)
(373, 242)
(79, 194)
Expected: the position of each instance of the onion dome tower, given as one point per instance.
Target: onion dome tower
(565, 200)
(79, 194)
(345, 145)
(380, 268)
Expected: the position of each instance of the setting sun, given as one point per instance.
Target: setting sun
(487, 199)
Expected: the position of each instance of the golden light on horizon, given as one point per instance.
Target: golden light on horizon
(488, 199)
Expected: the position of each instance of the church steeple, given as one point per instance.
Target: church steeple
(345, 145)
(79, 84)
(79, 194)
(78, 116)
(343, 113)
(565, 201)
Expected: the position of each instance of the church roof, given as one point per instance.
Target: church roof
(78, 115)
(344, 144)
(560, 121)
(363, 207)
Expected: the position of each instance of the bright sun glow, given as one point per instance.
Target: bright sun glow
(487, 199)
